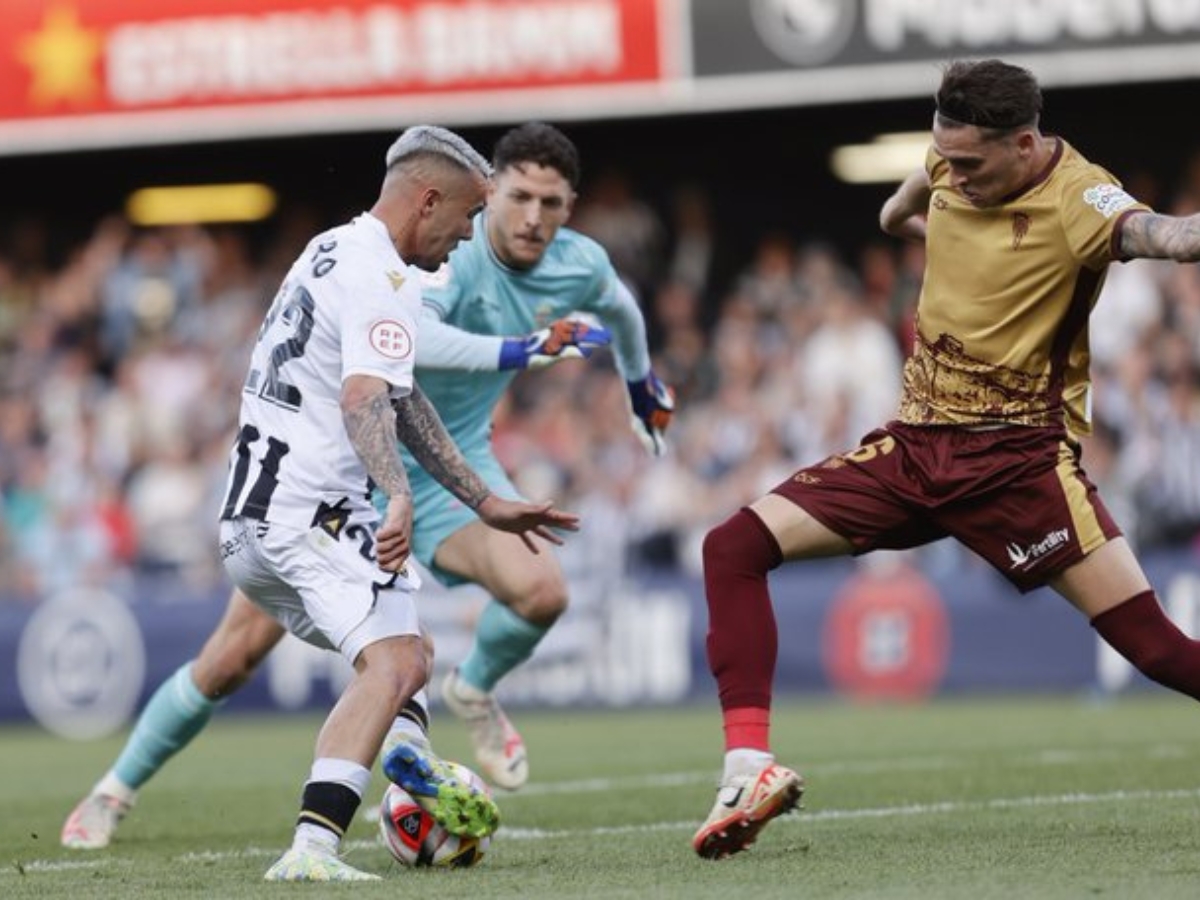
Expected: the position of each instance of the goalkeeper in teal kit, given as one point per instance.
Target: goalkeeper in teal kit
(501, 304)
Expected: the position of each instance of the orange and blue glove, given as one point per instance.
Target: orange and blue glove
(653, 405)
(562, 339)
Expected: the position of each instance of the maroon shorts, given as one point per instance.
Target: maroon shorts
(1016, 496)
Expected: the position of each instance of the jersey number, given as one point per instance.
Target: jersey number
(259, 499)
(297, 313)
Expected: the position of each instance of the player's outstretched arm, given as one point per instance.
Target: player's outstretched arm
(420, 429)
(527, 519)
(1156, 236)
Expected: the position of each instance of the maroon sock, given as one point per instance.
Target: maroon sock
(1140, 632)
(742, 637)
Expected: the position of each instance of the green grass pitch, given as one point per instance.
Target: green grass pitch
(967, 797)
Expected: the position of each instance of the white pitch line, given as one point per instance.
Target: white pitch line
(817, 818)
(909, 809)
(682, 779)
(1046, 757)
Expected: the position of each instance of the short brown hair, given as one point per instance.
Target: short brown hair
(988, 94)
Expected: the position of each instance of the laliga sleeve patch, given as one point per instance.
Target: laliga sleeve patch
(391, 339)
(1108, 199)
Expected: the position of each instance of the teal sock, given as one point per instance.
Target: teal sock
(503, 640)
(175, 714)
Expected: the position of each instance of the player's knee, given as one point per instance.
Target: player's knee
(542, 602)
(402, 673)
(740, 544)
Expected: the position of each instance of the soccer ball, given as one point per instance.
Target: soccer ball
(416, 839)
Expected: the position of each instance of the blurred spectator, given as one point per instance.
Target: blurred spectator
(1129, 307)
(850, 369)
(628, 228)
(1167, 489)
(112, 451)
(679, 342)
(156, 280)
(694, 243)
(770, 284)
(168, 500)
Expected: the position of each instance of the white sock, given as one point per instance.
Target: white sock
(341, 771)
(113, 786)
(744, 761)
(405, 729)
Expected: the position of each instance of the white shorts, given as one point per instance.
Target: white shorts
(327, 591)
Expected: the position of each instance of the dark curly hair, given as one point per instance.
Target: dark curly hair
(540, 143)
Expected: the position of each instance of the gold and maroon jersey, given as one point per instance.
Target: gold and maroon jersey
(1002, 333)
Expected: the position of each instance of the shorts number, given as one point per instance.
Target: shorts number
(366, 541)
(868, 452)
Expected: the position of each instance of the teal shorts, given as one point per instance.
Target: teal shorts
(437, 513)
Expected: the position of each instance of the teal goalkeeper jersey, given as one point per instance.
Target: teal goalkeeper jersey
(477, 293)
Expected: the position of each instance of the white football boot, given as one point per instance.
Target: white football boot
(499, 750)
(745, 804)
(93, 822)
(307, 865)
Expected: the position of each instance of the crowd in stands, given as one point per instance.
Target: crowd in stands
(121, 363)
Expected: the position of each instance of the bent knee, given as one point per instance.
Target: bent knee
(542, 602)
(398, 669)
(742, 542)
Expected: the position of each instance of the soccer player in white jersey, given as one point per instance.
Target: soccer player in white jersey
(330, 387)
(536, 271)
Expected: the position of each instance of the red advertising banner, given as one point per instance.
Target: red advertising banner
(84, 60)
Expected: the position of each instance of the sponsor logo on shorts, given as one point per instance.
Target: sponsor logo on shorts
(806, 478)
(1023, 557)
(1108, 199)
(234, 545)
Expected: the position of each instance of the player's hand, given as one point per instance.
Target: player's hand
(562, 339)
(527, 520)
(393, 540)
(653, 405)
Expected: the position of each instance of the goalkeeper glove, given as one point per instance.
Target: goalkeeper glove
(562, 339)
(653, 405)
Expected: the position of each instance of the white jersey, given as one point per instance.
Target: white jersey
(348, 306)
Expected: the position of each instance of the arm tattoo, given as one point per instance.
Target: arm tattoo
(1161, 237)
(372, 433)
(420, 429)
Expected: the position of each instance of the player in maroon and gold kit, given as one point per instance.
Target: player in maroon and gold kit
(1019, 229)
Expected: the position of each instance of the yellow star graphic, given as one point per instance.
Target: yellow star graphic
(62, 58)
